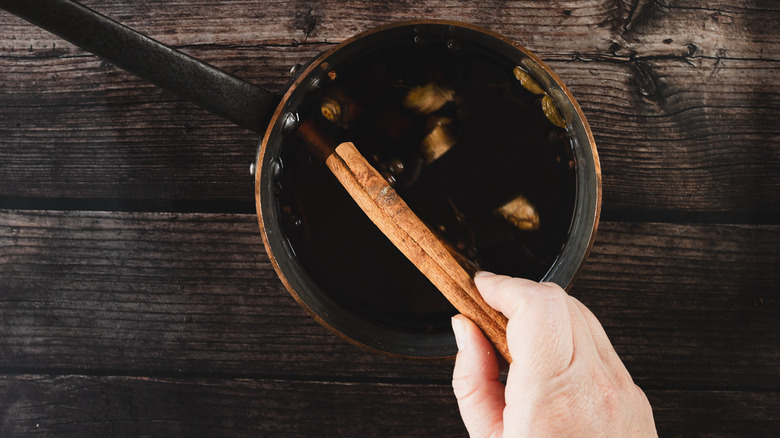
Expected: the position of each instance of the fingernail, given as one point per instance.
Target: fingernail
(460, 333)
(484, 274)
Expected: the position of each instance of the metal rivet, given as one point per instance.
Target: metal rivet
(315, 83)
(276, 169)
(252, 169)
(294, 69)
(289, 122)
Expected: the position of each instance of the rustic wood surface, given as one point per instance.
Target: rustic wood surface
(136, 298)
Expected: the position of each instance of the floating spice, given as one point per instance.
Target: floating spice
(337, 107)
(527, 81)
(438, 141)
(330, 109)
(551, 111)
(468, 141)
(520, 212)
(428, 98)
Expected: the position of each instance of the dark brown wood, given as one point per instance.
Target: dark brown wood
(169, 319)
(710, 94)
(699, 137)
(687, 306)
(738, 28)
(715, 413)
(142, 406)
(160, 294)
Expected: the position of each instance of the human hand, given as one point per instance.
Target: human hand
(565, 378)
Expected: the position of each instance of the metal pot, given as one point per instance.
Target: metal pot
(250, 106)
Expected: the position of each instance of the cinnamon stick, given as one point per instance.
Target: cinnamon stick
(385, 208)
(415, 240)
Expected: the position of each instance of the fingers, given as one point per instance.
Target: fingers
(505, 294)
(565, 378)
(475, 380)
(539, 333)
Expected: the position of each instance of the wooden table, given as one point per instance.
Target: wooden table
(136, 298)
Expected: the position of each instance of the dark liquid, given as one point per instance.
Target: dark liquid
(504, 146)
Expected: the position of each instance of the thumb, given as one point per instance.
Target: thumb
(475, 381)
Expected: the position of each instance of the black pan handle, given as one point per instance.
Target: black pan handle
(225, 95)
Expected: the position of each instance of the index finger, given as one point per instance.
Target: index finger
(540, 335)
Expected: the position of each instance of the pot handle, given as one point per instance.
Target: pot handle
(240, 102)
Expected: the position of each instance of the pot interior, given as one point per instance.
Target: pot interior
(460, 122)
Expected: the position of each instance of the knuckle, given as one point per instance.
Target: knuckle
(464, 386)
(511, 285)
(551, 292)
(611, 401)
(608, 396)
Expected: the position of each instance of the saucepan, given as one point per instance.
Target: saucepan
(478, 135)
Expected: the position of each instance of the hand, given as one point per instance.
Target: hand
(565, 379)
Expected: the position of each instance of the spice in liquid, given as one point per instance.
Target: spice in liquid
(465, 144)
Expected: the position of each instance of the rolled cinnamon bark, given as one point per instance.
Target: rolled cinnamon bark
(415, 240)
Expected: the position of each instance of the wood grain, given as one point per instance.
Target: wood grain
(161, 293)
(656, 28)
(73, 127)
(133, 406)
(140, 406)
(686, 306)
(674, 298)
(714, 413)
(136, 298)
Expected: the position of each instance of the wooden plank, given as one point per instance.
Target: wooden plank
(687, 306)
(684, 135)
(163, 323)
(714, 29)
(677, 128)
(161, 293)
(141, 406)
(690, 148)
(715, 413)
